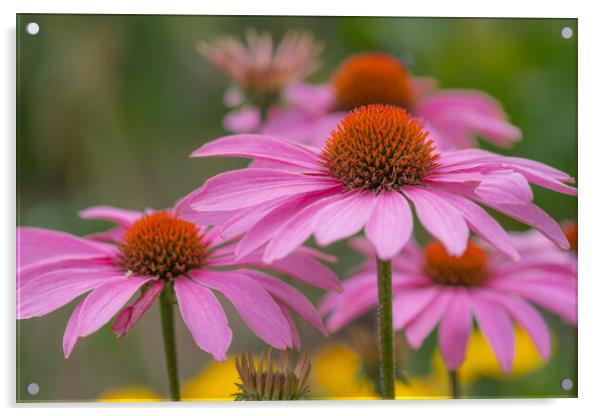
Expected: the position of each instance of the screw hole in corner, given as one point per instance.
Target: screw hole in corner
(32, 28)
(566, 32)
(33, 389)
(566, 384)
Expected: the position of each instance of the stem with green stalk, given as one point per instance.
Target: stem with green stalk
(454, 384)
(169, 341)
(385, 329)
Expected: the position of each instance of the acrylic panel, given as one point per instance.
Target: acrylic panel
(295, 208)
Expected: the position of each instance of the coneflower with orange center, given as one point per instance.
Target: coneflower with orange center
(374, 164)
(168, 258)
(454, 118)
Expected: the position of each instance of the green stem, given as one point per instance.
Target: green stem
(169, 342)
(454, 384)
(385, 329)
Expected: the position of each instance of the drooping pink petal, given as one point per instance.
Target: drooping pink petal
(407, 304)
(48, 292)
(505, 187)
(128, 317)
(390, 225)
(242, 188)
(455, 329)
(560, 300)
(497, 327)
(105, 301)
(261, 147)
(36, 244)
(300, 265)
(71, 334)
(245, 120)
(528, 318)
(27, 274)
(204, 317)
(290, 296)
(343, 217)
(254, 304)
(422, 325)
(295, 337)
(240, 222)
(295, 231)
(440, 218)
(533, 216)
(544, 180)
(484, 225)
(120, 216)
(261, 232)
(354, 306)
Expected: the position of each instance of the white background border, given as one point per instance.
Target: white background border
(589, 35)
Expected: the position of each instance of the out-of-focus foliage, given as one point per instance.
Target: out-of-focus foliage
(109, 107)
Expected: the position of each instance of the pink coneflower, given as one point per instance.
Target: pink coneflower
(453, 117)
(260, 72)
(373, 166)
(432, 288)
(155, 251)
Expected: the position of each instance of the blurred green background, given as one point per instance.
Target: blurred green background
(109, 107)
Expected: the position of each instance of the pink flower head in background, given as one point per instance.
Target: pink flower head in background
(260, 72)
(452, 117)
(377, 162)
(432, 288)
(153, 250)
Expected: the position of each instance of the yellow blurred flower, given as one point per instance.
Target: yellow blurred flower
(132, 393)
(214, 383)
(337, 374)
(481, 360)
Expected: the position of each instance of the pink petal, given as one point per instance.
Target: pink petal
(290, 296)
(128, 317)
(496, 326)
(390, 225)
(27, 274)
(313, 98)
(71, 335)
(527, 317)
(204, 317)
(533, 216)
(484, 225)
(455, 330)
(54, 289)
(560, 300)
(299, 265)
(259, 147)
(353, 307)
(254, 304)
(295, 231)
(422, 325)
(440, 218)
(295, 337)
(244, 219)
(545, 181)
(265, 228)
(36, 244)
(120, 216)
(247, 187)
(245, 120)
(505, 187)
(343, 217)
(407, 304)
(104, 302)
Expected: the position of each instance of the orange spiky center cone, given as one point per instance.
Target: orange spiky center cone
(379, 148)
(372, 78)
(162, 245)
(470, 269)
